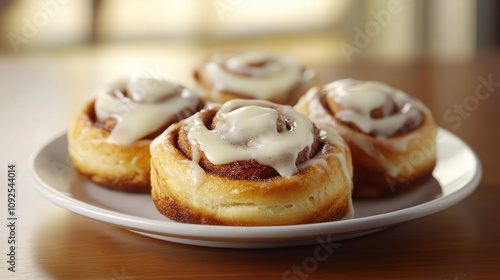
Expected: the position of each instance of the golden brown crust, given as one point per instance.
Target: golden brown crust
(117, 167)
(184, 192)
(174, 210)
(382, 166)
(415, 164)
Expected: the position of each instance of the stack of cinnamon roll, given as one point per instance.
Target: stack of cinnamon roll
(238, 153)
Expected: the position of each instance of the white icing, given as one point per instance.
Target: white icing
(149, 89)
(358, 99)
(329, 132)
(146, 108)
(367, 147)
(329, 129)
(241, 126)
(348, 177)
(321, 161)
(355, 96)
(323, 118)
(239, 74)
(247, 130)
(196, 173)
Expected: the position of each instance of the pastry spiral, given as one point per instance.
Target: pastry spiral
(250, 162)
(253, 75)
(109, 138)
(392, 136)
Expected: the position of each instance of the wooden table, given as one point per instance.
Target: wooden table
(39, 93)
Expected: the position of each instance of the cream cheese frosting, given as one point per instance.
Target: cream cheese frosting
(141, 106)
(259, 75)
(358, 99)
(247, 130)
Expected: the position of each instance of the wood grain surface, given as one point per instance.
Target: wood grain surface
(40, 93)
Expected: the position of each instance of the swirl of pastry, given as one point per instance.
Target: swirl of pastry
(386, 129)
(142, 107)
(109, 139)
(250, 162)
(253, 75)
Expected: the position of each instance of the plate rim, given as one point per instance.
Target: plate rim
(251, 233)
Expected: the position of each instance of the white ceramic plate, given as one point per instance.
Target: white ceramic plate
(456, 175)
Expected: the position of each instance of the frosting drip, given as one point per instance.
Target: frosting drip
(256, 74)
(358, 108)
(271, 134)
(373, 107)
(141, 106)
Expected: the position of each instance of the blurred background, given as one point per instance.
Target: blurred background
(394, 30)
(74, 46)
(71, 47)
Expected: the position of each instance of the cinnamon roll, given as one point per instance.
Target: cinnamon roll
(253, 75)
(109, 138)
(392, 136)
(250, 162)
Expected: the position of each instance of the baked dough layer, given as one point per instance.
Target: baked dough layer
(184, 192)
(383, 166)
(117, 167)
